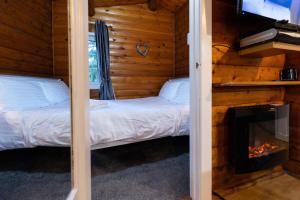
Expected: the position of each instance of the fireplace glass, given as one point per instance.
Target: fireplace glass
(258, 137)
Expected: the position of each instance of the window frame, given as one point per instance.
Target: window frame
(92, 85)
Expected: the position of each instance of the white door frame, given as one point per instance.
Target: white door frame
(200, 41)
(81, 159)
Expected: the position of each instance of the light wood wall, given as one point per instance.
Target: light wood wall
(134, 75)
(181, 46)
(60, 40)
(171, 5)
(109, 3)
(229, 66)
(26, 37)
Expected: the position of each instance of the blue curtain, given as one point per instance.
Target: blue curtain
(102, 45)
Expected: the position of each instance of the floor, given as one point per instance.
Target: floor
(284, 187)
(156, 169)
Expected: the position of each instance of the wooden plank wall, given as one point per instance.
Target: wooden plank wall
(293, 97)
(229, 66)
(133, 75)
(108, 3)
(181, 46)
(26, 37)
(172, 5)
(60, 40)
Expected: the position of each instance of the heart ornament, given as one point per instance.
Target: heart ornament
(142, 48)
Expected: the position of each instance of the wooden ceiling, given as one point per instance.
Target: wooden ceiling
(171, 5)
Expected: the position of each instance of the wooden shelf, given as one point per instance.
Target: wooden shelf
(257, 83)
(269, 49)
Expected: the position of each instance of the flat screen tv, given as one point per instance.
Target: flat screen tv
(277, 10)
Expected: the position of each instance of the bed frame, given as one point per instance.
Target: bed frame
(122, 142)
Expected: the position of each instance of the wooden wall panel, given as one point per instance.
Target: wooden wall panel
(26, 37)
(108, 3)
(181, 46)
(293, 98)
(229, 66)
(60, 40)
(172, 5)
(134, 75)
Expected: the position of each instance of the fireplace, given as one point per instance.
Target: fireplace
(258, 137)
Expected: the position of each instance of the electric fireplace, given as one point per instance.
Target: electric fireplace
(258, 137)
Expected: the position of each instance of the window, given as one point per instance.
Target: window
(93, 69)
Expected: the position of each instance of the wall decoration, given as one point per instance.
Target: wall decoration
(142, 48)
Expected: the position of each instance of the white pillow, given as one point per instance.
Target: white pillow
(20, 95)
(183, 93)
(55, 91)
(169, 89)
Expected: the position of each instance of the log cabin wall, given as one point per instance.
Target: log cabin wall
(26, 37)
(60, 40)
(228, 66)
(133, 75)
(181, 46)
(293, 98)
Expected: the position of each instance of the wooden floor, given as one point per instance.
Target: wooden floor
(284, 187)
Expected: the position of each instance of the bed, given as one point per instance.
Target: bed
(36, 112)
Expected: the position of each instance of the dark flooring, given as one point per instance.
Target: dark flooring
(157, 169)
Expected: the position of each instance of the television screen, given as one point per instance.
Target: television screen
(274, 9)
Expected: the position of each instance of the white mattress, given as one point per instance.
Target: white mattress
(110, 121)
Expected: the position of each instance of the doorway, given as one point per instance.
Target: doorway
(200, 76)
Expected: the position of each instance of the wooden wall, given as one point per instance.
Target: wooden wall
(228, 66)
(172, 5)
(60, 40)
(133, 75)
(293, 98)
(181, 46)
(26, 37)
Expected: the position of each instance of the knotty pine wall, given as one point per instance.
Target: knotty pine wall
(26, 37)
(133, 75)
(60, 40)
(34, 41)
(181, 46)
(229, 66)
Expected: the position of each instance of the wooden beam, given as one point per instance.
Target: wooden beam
(152, 5)
(108, 3)
(91, 8)
(80, 149)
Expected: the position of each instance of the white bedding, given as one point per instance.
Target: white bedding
(110, 121)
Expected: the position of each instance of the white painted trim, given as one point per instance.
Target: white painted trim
(201, 99)
(93, 86)
(81, 161)
(91, 33)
